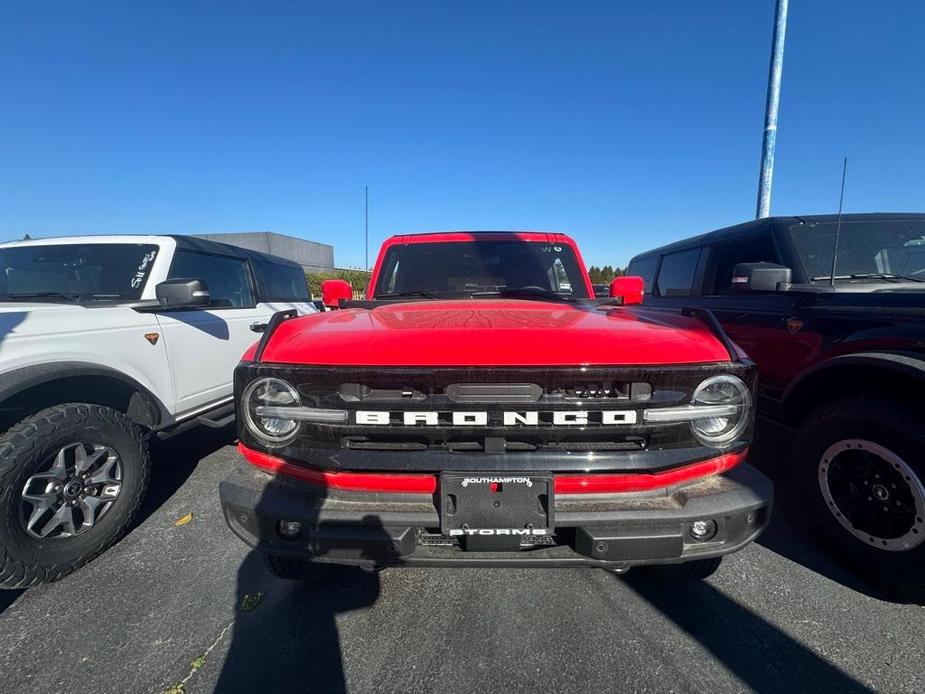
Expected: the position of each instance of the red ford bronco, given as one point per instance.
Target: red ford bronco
(480, 408)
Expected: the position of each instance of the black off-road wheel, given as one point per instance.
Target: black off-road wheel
(72, 478)
(695, 570)
(860, 467)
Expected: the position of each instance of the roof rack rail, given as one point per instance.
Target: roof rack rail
(275, 320)
(708, 317)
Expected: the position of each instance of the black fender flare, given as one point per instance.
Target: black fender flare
(22, 379)
(903, 363)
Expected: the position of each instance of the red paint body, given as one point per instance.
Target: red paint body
(427, 484)
(490, 332)
(355, 481)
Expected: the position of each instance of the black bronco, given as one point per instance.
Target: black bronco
(839, 339)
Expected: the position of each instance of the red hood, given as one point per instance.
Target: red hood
(492, 333)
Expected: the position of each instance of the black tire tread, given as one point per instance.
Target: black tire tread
(873, 409)
(21, 439)
(695, 570)
(296, 569)
(879, 414)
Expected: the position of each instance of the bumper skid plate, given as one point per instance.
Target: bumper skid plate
(528, 526)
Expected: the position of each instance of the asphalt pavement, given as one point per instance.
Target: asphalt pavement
(188, 608)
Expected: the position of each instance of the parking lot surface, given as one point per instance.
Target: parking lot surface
(189, 608)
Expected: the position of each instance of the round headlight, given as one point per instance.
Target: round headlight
(262, 402)
(732, 402)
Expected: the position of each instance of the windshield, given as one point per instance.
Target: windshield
(78, 271)
(467, 268)
(891, 247)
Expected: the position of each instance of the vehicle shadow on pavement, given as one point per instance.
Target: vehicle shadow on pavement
(8, 597)
(285, 636)
(174, 459)
(788, 534)
(288, 641)
(758, 653)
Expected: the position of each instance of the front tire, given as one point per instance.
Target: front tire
(72, 478)
(695, 570)
(860, 470)
(304, 571)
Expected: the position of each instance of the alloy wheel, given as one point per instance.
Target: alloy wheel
(76, 487)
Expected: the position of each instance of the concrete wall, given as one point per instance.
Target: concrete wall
(311, 255)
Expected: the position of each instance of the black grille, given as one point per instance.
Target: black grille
(508, 444)
(520, 445)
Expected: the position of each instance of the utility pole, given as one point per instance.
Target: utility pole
(366, 227)
(766, 174)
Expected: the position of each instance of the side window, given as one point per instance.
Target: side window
(724, 257)
(228, 279)
(645, 268)
(676, 274)
(280, 282)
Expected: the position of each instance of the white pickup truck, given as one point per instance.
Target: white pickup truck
(103, 341)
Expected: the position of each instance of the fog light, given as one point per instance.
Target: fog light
(289, 529)
(703, 530)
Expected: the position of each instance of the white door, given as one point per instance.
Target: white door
(204, 345)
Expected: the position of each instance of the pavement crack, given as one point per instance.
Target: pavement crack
(197, 663)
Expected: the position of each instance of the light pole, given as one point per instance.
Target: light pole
(366, 226)
(766, 174)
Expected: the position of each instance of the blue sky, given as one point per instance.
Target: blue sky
(624, 124)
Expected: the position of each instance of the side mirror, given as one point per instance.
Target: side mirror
(335, 291)
(630, 289)
(182, 293)
(760, 277)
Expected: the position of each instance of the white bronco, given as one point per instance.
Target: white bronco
(103, 341)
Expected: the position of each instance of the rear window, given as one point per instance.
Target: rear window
(676, 273)
(279, 282)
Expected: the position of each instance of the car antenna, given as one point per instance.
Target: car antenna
(841, 200)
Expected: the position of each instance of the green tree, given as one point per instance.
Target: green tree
(594, 273)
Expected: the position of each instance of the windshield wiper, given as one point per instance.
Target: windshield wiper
(526, 293)
(400, 295)
(871, 276)
(44, 295)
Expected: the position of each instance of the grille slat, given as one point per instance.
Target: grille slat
(510, 444)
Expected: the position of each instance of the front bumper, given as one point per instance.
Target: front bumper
(613, 531)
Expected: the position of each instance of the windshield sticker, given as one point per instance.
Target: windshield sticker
(142, 270)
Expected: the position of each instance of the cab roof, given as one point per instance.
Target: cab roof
(450, 236)
(739, 230)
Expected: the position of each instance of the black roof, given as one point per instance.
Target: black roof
(193, 243)
(760, 224)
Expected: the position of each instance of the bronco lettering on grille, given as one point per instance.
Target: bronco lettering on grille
(471, 418)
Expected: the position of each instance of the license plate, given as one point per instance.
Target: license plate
(496, 504)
